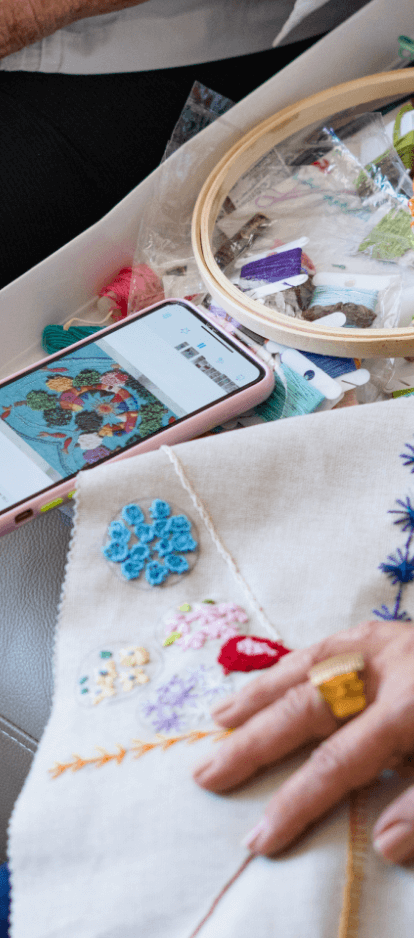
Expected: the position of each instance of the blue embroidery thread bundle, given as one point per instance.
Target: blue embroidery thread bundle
(335, 367)
(327, 295)
(167, 535)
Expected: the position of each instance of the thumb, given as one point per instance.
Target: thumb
(393, 835)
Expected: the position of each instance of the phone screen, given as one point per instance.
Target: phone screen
(89, 404)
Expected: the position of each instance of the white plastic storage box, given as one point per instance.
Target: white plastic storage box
(65, 284)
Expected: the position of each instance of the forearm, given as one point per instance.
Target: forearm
(23, 22)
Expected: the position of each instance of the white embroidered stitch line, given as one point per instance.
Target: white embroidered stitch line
(215, 537)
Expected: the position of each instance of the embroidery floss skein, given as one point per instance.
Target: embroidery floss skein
(138, 286)
(357, 304)
(55, 337)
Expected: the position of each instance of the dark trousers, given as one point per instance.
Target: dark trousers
(72, 146)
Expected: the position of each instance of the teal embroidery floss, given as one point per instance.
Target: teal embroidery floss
(299, 398)
(55, 338)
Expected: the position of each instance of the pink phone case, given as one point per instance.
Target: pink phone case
(178, 433)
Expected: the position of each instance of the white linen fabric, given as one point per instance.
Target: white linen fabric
(301, 525)
(164, 34)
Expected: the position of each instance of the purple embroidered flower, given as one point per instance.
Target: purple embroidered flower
(155, 573)
(117, 551)
(183, 542)
(132, 514)
(160, 509)
(183, 698)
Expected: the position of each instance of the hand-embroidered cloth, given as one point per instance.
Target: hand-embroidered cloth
(292, 523)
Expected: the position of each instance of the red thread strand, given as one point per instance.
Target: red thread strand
(139, 285)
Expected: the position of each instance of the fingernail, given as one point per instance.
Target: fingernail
(219, 709)
(396, 843)
(256, 836)
(202, 769)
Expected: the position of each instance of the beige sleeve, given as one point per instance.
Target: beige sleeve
(23, 22)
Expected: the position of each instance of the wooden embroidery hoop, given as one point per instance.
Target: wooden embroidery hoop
(361, 343)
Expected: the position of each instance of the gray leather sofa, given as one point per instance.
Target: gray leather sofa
(32, 563)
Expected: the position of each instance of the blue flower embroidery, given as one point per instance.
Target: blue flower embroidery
(176, 564)
(408, 457)
(399, 567)
(406, 513)
(156, 573)
(183, 542)
(132, 514)
(119, 531)
(175, 539)
(145, 532)
(116, 551)
(179, 524)
(160, 509)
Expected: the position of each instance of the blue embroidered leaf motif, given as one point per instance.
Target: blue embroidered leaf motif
(159, 560)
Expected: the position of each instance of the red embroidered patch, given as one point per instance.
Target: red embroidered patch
(250, 653)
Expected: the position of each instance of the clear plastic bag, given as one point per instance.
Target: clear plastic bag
(164, 231)
(202, 107)
(324, 204)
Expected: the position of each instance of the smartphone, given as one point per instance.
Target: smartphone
(164, 375)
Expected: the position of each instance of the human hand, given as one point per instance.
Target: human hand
(281, 710)
(23, 22)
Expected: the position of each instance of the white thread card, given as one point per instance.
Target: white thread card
(291, 523)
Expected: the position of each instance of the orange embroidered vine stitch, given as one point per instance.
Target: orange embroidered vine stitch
(138, 749)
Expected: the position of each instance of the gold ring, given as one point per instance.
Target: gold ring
(339, 683)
